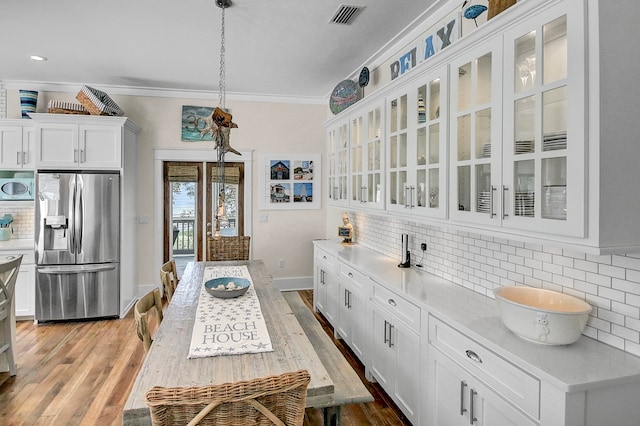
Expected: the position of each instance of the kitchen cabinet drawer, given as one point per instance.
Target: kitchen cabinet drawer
(397, 306)
(514, 384)
(354, 277)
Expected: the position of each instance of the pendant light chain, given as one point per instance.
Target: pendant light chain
(222, 84)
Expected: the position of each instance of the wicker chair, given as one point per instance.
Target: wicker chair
(8, 275)
(228, 248)
(146, 306)
(278, 400)
(169, 278)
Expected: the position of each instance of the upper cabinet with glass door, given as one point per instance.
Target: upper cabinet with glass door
(416, 153)
(475, 121)
(338, 159)
(544, 141)
(367, 157)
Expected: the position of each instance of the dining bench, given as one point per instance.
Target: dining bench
(348, 388)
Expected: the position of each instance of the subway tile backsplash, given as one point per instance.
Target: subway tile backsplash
(23, 220)
(610, 283)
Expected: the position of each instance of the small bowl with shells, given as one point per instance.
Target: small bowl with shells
(227, 287)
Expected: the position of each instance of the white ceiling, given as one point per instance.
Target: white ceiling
(274, 47)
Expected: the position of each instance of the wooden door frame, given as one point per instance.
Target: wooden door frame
(167, 219)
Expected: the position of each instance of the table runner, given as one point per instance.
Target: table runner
(228, 326)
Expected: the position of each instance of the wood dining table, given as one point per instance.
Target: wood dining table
(166, 363)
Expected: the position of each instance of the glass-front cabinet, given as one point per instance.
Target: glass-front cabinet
(338, 159)
(367, 157)
(544, 141)
(416, 155)
(475, 128)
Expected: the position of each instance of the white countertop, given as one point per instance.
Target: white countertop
(585, 364)
(17, 244)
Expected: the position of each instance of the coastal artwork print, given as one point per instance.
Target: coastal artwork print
(194, 121)
(288, 182)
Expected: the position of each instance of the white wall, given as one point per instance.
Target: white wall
(264, 127)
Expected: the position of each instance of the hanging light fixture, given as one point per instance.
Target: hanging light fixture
(221, 126)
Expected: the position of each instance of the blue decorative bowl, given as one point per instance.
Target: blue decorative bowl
(227, 287)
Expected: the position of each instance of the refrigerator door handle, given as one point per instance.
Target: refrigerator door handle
(72, 218)
(76, 269)
(78, 214)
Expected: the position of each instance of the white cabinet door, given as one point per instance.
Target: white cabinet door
(544, 135)
(475, 126)
(407, 371)
(366, 142)
(455, 397)
(338, 158)
(325, 297)
(25, 297)
(57, 145)
(100, 146)
(382, 354)
(17, 146)
(352, 319)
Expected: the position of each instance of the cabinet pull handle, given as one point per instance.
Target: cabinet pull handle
(322, 276)
(75, 155)
(406, 197)
(463, 385)
(25, 158)
(386, 338)
(348, 299)
(472, 418)
(350, 275)
(17, 158)
(392, 302)
(391, 335)
(412, 190)
(491, 212)
(324, 257)
(363, 194)
(83, 156)
(473, 356)
(504, 214)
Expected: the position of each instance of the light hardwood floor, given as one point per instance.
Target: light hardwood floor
(80, 373)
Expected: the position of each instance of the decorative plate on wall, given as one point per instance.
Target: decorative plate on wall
(343, 96)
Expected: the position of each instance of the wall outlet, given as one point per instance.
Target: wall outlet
(423, 246)
(281, 263)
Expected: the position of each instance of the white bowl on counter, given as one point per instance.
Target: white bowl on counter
(542, 316)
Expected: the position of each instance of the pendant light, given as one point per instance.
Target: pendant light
(222, 124)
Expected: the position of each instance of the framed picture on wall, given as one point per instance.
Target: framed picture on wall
(195, 122)
(290, 181)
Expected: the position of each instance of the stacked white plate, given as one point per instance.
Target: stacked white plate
(484, 202)
(554, 202)
(554, 141)
(486, 151)
(525, 147)
(524, 205)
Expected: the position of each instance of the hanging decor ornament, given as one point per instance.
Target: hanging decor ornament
(220, 127)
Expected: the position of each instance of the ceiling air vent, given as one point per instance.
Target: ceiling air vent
(345, 14)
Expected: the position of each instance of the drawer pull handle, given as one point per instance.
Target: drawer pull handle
(463, 410)
(392, 302)
(350, 275)
(473, 356)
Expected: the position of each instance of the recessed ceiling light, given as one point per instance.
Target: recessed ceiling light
(37, 58)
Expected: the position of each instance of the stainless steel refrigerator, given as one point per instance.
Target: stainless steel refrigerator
(77, 237)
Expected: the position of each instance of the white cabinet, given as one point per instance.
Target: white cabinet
(352, 322)
(395, 347)
(17, 145)
(325, 286)
(458, 398)
(367, 180)
(338, 159)
(80, 142)
(25, 298)
(416, 153)
(468, 384)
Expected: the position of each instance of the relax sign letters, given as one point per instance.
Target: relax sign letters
(443, 37)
